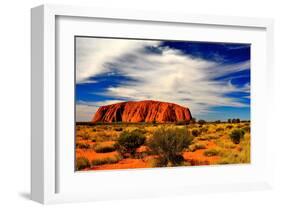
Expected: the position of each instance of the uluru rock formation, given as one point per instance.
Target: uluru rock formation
(142, 111)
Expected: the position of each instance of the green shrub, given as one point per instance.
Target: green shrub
(236, 135)
(128, 142)
(101, 148)
(168, 144)
(195, 132)
(82, 163)
(235, 120)
(211, 152)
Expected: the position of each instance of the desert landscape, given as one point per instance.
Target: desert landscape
(142, 103)
(135, 135)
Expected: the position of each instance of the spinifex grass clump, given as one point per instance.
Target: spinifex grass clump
(82, 146)
(104, 148)
(204, 129)
(108, 160)
(211, 152)
(219, 129)
(85, 135)
(168, 144)
(82, 163)
(236, 135)
(229, 126)
(129, 141)
(194, 147)
(237, 156)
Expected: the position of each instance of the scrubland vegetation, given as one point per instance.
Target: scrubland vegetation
(143, 145)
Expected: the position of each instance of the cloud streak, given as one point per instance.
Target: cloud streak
(93, 54)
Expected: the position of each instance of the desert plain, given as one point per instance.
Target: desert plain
(210, 143)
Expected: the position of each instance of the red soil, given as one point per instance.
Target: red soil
(195, 158)
(198, 158)
(123, 164)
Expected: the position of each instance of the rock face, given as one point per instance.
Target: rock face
(142, 111)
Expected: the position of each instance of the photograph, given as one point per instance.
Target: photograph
(143, 103)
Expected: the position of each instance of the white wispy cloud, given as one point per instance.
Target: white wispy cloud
(167, 76)
(93, 54)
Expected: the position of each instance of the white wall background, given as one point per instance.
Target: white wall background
(15, 103)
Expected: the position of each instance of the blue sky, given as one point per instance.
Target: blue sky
(211, 79)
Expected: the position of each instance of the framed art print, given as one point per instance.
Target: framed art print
(122, 102)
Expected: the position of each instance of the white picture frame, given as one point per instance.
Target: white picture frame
(46, 167)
